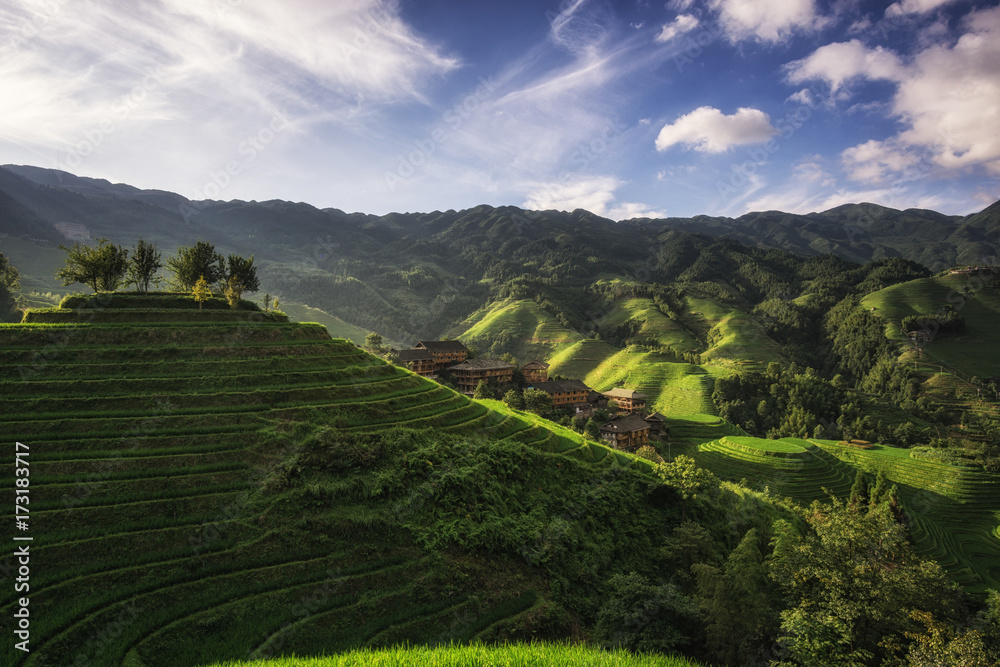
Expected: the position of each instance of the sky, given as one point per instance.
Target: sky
(626, 108)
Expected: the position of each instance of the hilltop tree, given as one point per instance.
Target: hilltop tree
(102, 267)
(196, 262)
(10, 282)
(143, 266)
(241, 272)
(200, 291)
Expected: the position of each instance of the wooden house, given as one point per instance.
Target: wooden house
(535, 371)
(628, 400)
(565, 393)
(445, 352)
(657, 425)
(469, 373)
(420, 362)
(626, 432)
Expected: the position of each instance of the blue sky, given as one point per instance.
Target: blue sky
(626, 108)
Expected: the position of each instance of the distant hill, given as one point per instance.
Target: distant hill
(417, 275)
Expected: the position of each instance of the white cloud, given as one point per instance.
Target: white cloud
(840, 62)
(708, 130)
(591, 193)
(913, 7)
(217, 66)
(878, 161)
(948, 99)
(766, 20)
(682, 24)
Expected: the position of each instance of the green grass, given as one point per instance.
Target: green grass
(338, 328)
(977, 352)
(510, 655)
(534, 331)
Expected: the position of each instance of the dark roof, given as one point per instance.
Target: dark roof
(656, 417)
(620, 392)
(560, 386)
(626, 424)
(414, 355)
(480, 364)
(442, 346)
(535, 363)
(596, 397)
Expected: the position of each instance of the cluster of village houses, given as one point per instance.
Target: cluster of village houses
(630, 429)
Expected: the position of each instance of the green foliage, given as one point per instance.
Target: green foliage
(9, 283)
(192, 263)
(200, 291)
(684, 476)
(142, 268)
(241, 274)
(537, 401)
(738, 606)
(513, 399)
(642, 616)
(855, 586)
(102, 267)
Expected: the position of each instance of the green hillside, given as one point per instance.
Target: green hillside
(337, 327)
(519, 326)
(976, 300)
(200, 483)
(953, 509)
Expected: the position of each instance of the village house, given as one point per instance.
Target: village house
(628, 400)
(657, 425)
(565, 393)
(469, 373)
(535, 371)
(445, 352)
(626, 432)
(420, 362)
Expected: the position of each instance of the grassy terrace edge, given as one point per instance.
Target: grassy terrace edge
(465, 656)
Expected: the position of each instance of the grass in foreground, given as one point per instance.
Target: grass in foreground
(512, 655)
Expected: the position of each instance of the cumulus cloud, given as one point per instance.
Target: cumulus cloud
(766, 20)
(878, 161)
(947, 97)
(682, 24)
(708, 130)
(840, 62)
(591, 193)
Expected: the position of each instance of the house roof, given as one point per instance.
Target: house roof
(621, 392)
(626, 424)
(656, 417)
(535, 363)
(442, 346)
(414, 355)
(560, 386)
(481, 364)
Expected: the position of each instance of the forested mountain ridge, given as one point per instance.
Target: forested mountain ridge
(413, 275)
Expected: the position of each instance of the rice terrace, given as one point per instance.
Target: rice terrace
(565, 332)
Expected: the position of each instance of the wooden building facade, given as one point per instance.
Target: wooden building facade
(469, 373)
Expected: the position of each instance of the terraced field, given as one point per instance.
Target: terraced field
(149, 442)
(980, 307)
(533, 331)
(953, 510)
